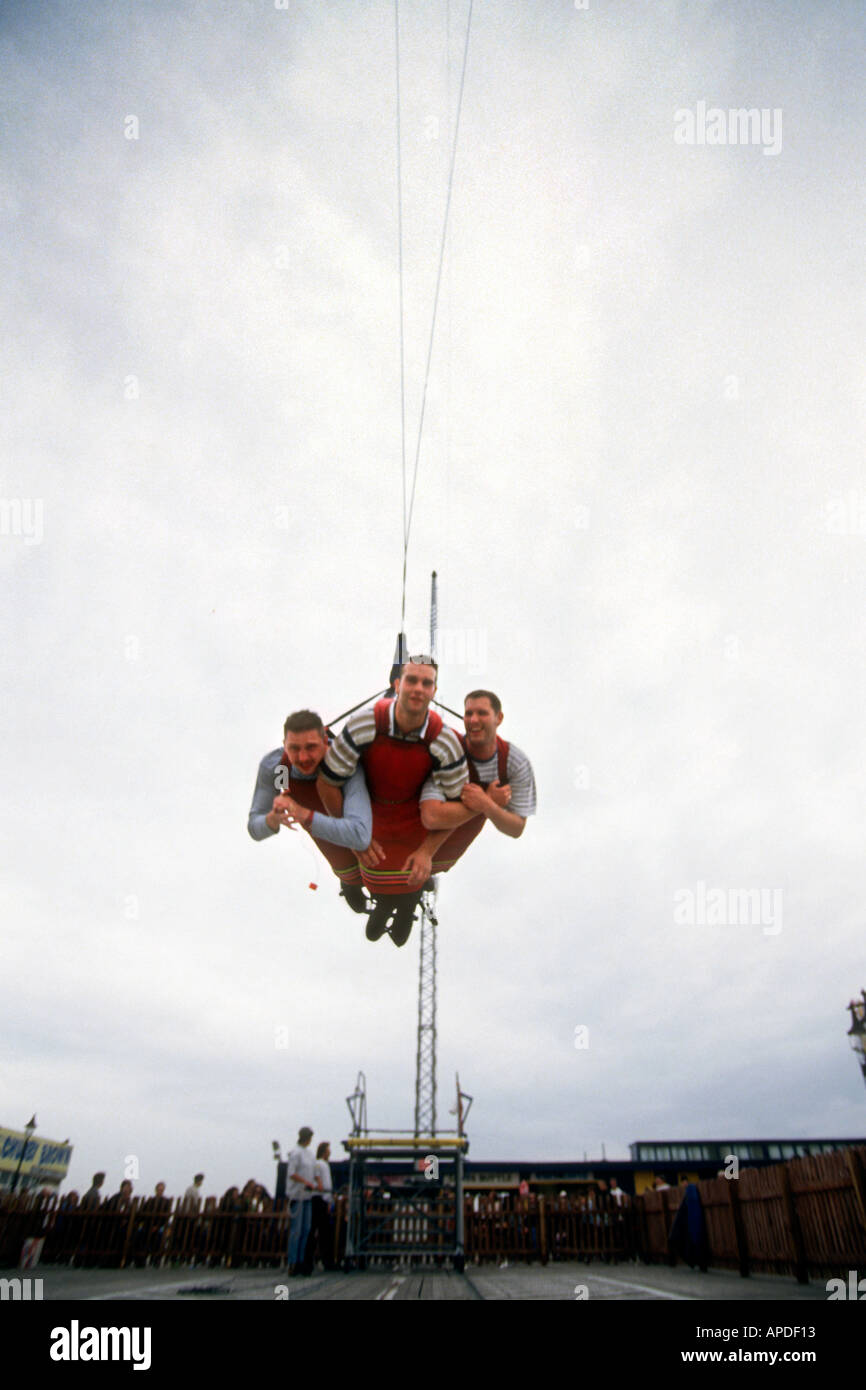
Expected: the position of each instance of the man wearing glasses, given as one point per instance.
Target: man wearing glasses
(400, 743)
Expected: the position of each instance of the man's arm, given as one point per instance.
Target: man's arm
(299, 1177)
(354, 829)
(260, 823)
(485, 803)
(474, 801)
(438, 814)
(294, 1161)
(341, 759)
(450, 773)
(419, 865)
(521, 780)
(330, 796)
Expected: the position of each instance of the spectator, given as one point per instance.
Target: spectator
(616, 1192)
(302, 1185)
(112, 1230)
(92, 1198)
(121, 1200)
(321, 1241)
(191, 1203)
(158, 1202)
(155, 1211)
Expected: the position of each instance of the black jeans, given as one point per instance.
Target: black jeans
(321, 1238)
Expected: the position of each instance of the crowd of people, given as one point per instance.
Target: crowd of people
(253, 1197)
(310, 1208)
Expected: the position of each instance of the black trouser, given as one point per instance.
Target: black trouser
(321, 1238)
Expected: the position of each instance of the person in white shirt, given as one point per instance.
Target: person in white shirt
(321, 1239)
(191, 1204)
(302, 1185)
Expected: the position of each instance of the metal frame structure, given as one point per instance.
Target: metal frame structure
(425, 1051)
(398, 1214)
(857, 1031)
(411, 1207)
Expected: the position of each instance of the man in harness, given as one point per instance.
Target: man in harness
(286, 795)
(501, 786)
(400, 743)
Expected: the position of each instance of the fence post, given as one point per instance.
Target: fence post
(671, 1257)
(794, 1227)
(130, 1225)
(855, 1168)
(739, 1228)
(339, 1214)
(642, 1241)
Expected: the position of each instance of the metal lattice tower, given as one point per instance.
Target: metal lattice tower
(857, 1031)
(425, 1054)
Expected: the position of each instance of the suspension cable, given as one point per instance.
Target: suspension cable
(407, 519)
(400, 257)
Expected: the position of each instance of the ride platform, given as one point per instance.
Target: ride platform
(413, 1216)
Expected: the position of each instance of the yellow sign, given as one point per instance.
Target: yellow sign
(43, 1158)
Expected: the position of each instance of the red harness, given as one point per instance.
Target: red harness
(501, 762)
(304, 791)
(460, 839)
(396, 769)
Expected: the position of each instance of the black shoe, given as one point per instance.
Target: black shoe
(401, 928)
(355, 897)
(377, 922)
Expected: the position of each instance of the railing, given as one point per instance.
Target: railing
(423, 1225)
(803, 1218)
(141, 1234)
(806, 1217)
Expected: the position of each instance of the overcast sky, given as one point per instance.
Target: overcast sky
(641, 484)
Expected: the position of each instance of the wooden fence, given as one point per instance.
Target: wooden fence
(803, 1218)
(549, 1228)
(806, 1217)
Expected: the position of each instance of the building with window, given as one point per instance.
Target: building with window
(674, 1160)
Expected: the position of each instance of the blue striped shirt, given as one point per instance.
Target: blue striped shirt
(352, 831)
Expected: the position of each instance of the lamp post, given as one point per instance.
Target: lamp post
(29, 1130)
(857, 1031)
